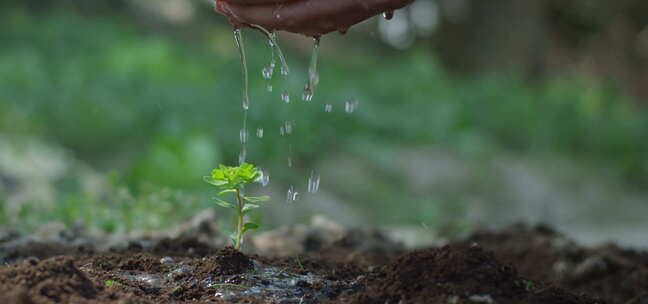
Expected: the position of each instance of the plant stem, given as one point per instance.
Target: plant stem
(239, 225)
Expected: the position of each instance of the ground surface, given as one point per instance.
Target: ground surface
(516, 265)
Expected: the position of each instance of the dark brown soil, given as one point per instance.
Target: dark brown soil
(517, 265)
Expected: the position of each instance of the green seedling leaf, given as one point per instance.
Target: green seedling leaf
(232, 180)
(249, 226)
(214, 182)
(256, 199)
(227, 191)
(223, 203)
(248, 208)
(109, 283)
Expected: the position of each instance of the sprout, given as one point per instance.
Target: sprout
(230, 181)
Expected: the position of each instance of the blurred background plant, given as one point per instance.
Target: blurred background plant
(469, 114)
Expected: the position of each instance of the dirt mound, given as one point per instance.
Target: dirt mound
(55, 280)
(227, 261)
(611, 273)
(456, 274)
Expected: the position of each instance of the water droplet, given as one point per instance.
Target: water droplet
(264, 179)
(285, 96)
(313, 182)
(288, 127)
(282, 130)
(267, 72)
(285, 71)
(243, 136)
(388, 15)
(290, 161)
(259, 133)
(350, 105)
(328, 108)
(308, 94)
(269, 87)
(291, 195)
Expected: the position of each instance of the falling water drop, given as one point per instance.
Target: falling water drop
(264, 178)
(313, 182)
(282, 131)
(308, 94)
(288, 127)
(291, 195)
(285, 96)
(350, 105)
(388, 15)
(259, 133)
(290, 161)
(267, 72)
(313, 76)
(328, 108)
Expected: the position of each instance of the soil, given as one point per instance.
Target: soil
(516, 265)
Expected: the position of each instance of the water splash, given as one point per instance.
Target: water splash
(313, 75)
(388, 15)
(313, 182)
(328, 108)
(351, 105)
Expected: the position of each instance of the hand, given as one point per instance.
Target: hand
(308, 17)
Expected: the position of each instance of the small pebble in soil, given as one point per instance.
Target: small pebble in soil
(167, 260)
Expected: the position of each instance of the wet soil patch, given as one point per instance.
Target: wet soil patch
(516, 265)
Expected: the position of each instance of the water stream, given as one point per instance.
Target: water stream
(238, 38)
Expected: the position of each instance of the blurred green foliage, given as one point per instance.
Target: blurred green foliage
(163, 110)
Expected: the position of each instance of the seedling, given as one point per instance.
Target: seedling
(231, 181)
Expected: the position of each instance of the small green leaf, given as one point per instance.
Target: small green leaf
(249, 226)
(109, 283)
(249, 207)
(223, 203)
(256, 199)
(226, 191)
(215, 182)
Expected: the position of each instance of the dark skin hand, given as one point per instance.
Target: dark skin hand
(308, 17)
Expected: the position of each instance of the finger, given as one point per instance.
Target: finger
(311, 17)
